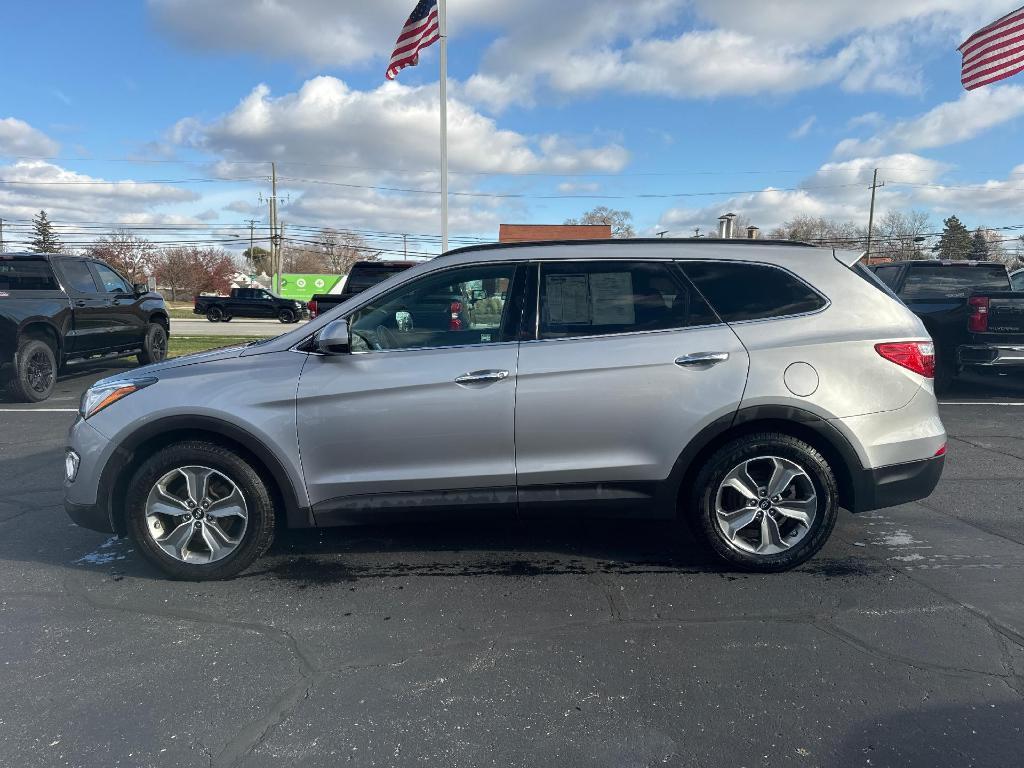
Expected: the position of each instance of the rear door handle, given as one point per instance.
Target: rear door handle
(481, 377)
(80, 303)
(702, 359)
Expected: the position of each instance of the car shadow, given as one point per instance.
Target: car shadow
(69, 385)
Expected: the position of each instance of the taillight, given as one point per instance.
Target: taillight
(312, 309)
(977, 321)
(916, 356)
(941, 451)
(455, 324)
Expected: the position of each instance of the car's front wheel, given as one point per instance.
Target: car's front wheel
(765, 502)
(286, 316)
(197, 511)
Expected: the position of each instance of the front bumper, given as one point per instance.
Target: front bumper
(990, 356)
(896, 484)
(92, 516)
(86, 499)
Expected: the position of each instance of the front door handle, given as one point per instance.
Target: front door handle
(481, 377)
(701, 359)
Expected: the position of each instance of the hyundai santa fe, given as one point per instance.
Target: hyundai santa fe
(750, 389)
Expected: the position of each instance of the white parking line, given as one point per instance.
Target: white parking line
(38, 410)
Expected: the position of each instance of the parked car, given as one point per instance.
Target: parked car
(1017, 280)
(249, 302)
(58, 311)
(970, 310)
(363, 275)
(747, 387)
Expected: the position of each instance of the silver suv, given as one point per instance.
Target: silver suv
(748, 388)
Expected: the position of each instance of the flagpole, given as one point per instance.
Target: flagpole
(442, 27)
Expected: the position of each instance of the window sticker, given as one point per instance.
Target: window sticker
(612, 296)
(567, 299)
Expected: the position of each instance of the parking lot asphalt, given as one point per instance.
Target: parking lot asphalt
(583, 644)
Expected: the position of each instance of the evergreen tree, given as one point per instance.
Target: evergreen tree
(44, 238)
(955, 242)
(979, 246)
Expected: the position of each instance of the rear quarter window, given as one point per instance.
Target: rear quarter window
(27, 275)
(953, 281)
(743, 291)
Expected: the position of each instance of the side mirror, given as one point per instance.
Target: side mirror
(140, 288)
(334, 339)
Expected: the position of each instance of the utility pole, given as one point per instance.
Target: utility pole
(871, 216)
(405, 242)
(275, 251)
(252, 225)
(662, 234)
(1, 235)
(696, 232)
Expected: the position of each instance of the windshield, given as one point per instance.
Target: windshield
(953, 281)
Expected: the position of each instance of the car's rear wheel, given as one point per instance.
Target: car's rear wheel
(286, 316)
(197, 511)
(35, 371)
(214, 314)
(765, 502)
(154, 347)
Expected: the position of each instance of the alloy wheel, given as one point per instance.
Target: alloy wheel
(40, 372)
(196, 514)
(765, 505)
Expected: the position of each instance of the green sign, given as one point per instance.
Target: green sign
(302, 287)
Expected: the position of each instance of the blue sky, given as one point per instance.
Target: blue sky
(650, 106)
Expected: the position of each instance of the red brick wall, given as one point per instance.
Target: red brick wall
(528, 233)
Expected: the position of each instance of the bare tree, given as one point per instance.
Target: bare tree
(190, 270)
(342, 249)
(620, 221)
(820, 231)
(127, 253)
(896, 232)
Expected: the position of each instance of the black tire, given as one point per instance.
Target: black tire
(35, 371)
(286, 316)
(259, 531)
(730, 456)
(226, 319)
(154, 347)
(214, 314)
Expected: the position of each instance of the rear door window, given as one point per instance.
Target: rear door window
(953, 280)
(606, 297)
(26, 275)
(745, 291)
(78, 276)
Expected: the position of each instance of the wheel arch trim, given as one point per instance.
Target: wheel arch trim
(124, 461)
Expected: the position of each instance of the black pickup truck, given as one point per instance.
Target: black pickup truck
(58, 311)
(249, 302)
(363, 275)
(974, 317)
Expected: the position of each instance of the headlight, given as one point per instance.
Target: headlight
(98, 397)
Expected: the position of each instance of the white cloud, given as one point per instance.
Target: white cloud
(19, 138)
(70, 196)
(345, 155)
(840, 191)
(973, 113)
(804, 128)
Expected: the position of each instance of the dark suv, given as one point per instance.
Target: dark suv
(58, 311)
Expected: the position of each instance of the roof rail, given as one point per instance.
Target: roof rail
(630, 241)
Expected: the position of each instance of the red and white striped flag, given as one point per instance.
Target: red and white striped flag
(994, 52)
(419, 31)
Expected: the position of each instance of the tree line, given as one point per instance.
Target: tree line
(188, 270)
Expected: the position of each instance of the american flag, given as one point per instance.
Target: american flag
(994, 52)
(419, 31)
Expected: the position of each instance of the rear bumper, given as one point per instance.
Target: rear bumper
(897, 483)
(990, 355)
